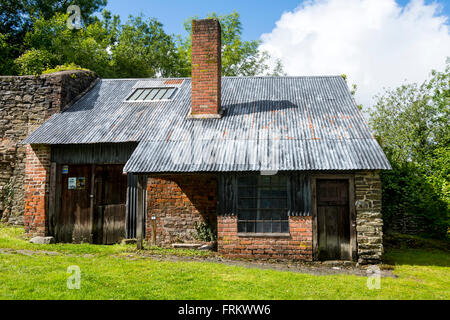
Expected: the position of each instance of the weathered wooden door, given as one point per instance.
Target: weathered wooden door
(74, 221)
(86, 214)
(333, 218)
(110, 211)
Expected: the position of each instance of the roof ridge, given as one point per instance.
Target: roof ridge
(224, 77)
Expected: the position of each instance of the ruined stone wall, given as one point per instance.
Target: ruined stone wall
(369, 220)
(25, 103)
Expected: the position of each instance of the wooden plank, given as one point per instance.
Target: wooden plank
(321, 235)
(114, 223)
(92, 204)
(120, 222)
(140, 212)
(153, 232)
(105, 224)
(99, 217)
(99, 225)
(129, 210)
(58, 201)
(314, 220)
(331, 223)
(351, 201)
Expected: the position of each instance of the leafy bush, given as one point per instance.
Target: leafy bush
(412, 125)
(64, 67)
(34, 62)
(205, 232)
(407, 192)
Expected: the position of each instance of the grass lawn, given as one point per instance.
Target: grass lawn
(107, 272)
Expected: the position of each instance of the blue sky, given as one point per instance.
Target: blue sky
(374, 42)
(257, 16)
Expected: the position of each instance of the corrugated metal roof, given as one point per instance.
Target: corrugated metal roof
(299, 123)
(255, 155)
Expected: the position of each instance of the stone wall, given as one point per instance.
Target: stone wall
(25, 103)
(369, 220)
(179, 201)
(296, 245)
(407, 224)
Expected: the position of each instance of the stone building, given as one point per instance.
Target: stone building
(274, 167)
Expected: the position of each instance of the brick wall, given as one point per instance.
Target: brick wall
(181, 200)
(296, 246)
(369, 220)
(206, 67)
(37, 174)
(178, 201)
(25, 103)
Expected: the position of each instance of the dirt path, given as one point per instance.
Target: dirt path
(314, 268)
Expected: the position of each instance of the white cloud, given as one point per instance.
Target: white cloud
(376, 43)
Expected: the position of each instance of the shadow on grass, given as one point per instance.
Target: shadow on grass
(417, 257)
(416, 251)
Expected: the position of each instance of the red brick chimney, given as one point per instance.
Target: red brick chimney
(206, 69)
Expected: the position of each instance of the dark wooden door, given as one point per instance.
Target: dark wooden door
(74, 222)
(333, 218)
(110, 211)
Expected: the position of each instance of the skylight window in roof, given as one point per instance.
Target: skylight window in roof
(136, 94)
(152, 94)
(160, 94)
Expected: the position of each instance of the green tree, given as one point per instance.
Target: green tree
(412, 125)
(143, 49)
(138, 48)
(239, 57)
(17, 18)
(6, 56)
(412, 120)
(86, 47)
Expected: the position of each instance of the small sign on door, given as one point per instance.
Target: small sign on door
(81, 183)
(76, 183)
(72, 183)
(65, 169)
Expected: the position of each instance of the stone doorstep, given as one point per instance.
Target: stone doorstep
(43, 240)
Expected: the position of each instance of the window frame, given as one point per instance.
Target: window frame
(259, 221)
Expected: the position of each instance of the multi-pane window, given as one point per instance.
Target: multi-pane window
(152, 94)
(262, 205)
